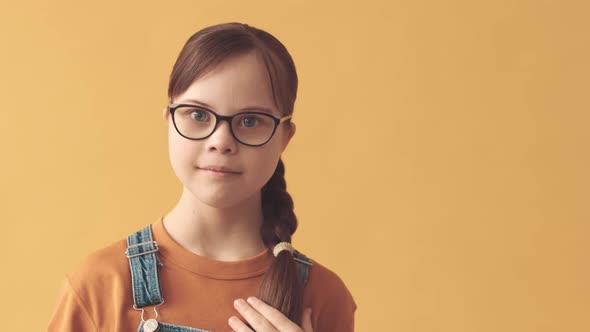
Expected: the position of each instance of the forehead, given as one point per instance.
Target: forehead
(237, 82)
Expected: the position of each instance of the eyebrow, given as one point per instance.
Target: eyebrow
(249, 108)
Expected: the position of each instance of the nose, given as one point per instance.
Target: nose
(222, 139)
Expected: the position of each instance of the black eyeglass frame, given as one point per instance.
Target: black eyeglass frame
(229, 118)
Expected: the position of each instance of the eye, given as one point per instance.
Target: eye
(250, 121)
(199, 115)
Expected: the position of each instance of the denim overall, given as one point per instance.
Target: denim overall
(145, 265)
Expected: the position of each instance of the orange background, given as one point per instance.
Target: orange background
(440, 167)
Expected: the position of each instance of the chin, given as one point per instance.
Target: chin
(221, 200)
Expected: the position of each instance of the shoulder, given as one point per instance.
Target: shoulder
(102, 261)
(331, 301)
(101, 272)
(326, 288)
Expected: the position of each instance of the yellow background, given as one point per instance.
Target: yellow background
(440, 167)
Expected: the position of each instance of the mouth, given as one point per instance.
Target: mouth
(218, 170)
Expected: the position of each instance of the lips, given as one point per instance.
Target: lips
(219, 169)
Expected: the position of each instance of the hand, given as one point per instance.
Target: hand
(264, 318)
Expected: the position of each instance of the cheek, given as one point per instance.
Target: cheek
(265, 164)
(181, 153)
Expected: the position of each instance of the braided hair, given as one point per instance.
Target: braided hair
(281, 286)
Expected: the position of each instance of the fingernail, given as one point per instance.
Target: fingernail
(251, 300)
(239, 303)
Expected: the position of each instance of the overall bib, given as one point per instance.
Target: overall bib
(145, 283)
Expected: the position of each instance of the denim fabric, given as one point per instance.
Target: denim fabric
(303, 268)
(144, 268)
(165, 327)
(145, 275)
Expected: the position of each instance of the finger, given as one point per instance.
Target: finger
(252, 316)
(237, 325)
(306, 321)
(275, 317)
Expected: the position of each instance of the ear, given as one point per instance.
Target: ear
(290, 132)
(165, 114)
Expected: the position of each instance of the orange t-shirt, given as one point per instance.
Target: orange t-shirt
(198, 292)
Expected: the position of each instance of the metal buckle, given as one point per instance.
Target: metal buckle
(142, 253)
(152, 323)
(302, 261)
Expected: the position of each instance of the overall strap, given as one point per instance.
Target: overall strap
(144, 264)
(303, 264)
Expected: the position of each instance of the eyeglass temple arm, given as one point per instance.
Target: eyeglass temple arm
(285, 118)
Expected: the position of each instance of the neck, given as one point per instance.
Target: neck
(224, 234)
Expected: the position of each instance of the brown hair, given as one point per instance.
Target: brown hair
(281, 286)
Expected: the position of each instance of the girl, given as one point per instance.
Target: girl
(222, 259)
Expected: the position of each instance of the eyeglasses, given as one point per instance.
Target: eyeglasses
(249, 128)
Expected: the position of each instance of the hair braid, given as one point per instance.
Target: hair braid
(280, 221)
(281, 286)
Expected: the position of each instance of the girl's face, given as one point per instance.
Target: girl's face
(238, 82)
